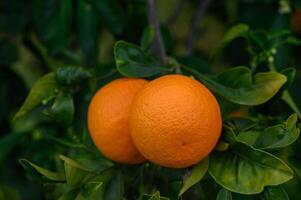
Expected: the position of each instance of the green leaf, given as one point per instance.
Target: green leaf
(155, 196)
(245, 124)
(229, 135)
(90, 191)
(31, 167)
(91, 187)
(233, 33)
(44, 88)
(72, 75)
(147, 38)
(87, 29)
(224, 194)
(95, 187)
(273, 137)
(274, 193)
(250, 137)
(221, 146)
(259, 39)
(68, 143)
(75, 171)
(197, 173)
(30, 121)
(246, 170)
(69, 194)
(132, 61)
(239, 86)
(62, 110)
(111, 13)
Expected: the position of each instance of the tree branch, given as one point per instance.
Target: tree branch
(202, 7)
(158, 41)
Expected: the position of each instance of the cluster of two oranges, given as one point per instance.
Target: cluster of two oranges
(173, 121)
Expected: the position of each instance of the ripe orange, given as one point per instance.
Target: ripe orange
(175, 121)
(108, 120)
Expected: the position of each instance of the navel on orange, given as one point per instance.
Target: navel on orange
(175, 121)
(108, 120)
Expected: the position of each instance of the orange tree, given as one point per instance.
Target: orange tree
(55, 56)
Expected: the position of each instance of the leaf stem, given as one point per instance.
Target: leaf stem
(202, 7)
(158, 41)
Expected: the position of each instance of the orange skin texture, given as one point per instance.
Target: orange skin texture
(108, 120)
(175, 121)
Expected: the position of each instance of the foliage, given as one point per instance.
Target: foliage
(55, 54)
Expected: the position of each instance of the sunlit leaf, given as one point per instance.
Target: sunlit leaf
(44, 88)
(243, 169)
(273, 137)
(75, 171)
(238, 85)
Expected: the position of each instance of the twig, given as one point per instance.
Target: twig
(158, 41)
(175, 12)
(203, 5)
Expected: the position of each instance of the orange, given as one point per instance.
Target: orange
(175, 121)
(108, 120)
